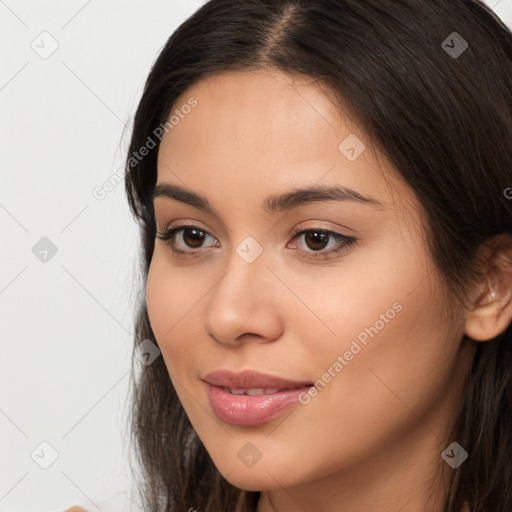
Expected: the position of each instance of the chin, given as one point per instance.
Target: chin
(252, 479)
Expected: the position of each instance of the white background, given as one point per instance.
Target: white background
(66, 323)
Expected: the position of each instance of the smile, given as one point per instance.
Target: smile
(251, 398)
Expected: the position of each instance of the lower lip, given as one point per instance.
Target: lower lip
(248, 410)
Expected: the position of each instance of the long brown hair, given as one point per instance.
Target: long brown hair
(444, 121)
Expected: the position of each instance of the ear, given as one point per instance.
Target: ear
(490, 311)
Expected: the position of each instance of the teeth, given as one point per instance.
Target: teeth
(251, 391)
(254, 391)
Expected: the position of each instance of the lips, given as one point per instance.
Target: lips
(250, 398)
(250, 379)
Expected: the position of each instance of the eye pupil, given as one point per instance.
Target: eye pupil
(196, 239)
(317, 237)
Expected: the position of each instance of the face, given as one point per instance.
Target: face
(332, 291)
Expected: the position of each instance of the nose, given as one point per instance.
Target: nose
(244, 306)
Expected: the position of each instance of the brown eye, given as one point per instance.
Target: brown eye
(193, 237)
(186, 240)
(316, 240)
(322, 243)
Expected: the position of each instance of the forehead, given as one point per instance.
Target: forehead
(263, 131)
(261, 110)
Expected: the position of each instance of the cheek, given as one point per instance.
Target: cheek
(359, 300)
(173, 299)
(166, 301)
(384, 322)
(170, 296)
(158, 295)
(389, 368)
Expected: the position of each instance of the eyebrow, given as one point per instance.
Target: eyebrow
(272, 204)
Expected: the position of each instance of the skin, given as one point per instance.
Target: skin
(372, 438)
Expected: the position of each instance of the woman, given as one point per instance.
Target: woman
(323, 192)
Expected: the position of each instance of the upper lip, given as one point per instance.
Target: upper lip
(251, 379)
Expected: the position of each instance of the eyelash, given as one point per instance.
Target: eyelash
(348, 241)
